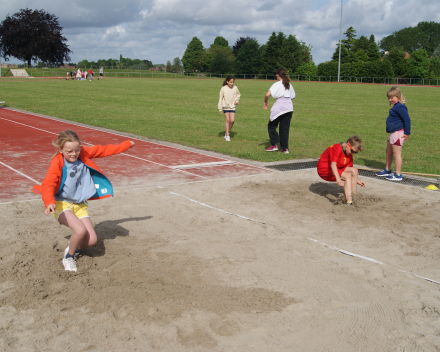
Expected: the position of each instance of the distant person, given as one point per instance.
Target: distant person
(78, 74)
(82, 75)
(91, 74)
(336, 165)
(101, 73)
(398, 125)
(281, 112)
(67, 76)
(229, 98)
(71, 180)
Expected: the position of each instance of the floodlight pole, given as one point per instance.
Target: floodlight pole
(340, 36)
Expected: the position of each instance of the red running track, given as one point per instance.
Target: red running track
(27, 149)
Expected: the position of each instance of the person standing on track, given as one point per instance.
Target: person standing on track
(281, 112)
(399, 128)
(229, 99)
(71, 180)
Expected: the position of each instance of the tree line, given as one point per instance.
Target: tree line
(35, 35)
(412, 52)
(247, 56)
(122, 63)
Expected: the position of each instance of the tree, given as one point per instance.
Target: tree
(361, 44)
(418, 66)
(437, 51)
(426, 35)
(361, 56)
(272, 54)
(239, 43)
(220, 41)
(169, 67)
(192, 58)
(222, 60)
(351, 38)
(344, 54)
(307, 69)
(434, 67)
(29, 35)
(293, 54)
(177, 64)
(373, 51)
(400, 64)
(248, 59)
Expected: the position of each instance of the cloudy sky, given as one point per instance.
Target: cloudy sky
(159, 30)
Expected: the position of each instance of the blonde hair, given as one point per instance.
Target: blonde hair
(395, 92)
(63, 137)
(356, 142)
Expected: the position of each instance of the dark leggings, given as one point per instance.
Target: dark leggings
(284, 122)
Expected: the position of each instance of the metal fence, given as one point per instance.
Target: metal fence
(256, 76)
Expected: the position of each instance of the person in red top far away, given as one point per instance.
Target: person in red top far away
(336, 165)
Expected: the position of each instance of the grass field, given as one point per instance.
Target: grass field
(184, 111)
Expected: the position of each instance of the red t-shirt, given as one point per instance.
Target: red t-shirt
(90, 71)
(334, 153)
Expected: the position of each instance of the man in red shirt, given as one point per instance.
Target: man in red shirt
(91, 73)
(336, 165)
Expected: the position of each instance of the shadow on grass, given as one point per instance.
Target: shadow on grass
(373, 163)
(266, 144)
(109, 230)
(223, 133)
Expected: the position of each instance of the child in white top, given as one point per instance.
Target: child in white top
(229, 98)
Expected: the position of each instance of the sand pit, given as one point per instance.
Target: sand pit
(169, 274)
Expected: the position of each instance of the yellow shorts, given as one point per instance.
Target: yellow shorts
(80, 210)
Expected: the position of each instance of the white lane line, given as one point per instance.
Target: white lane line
(208, 206)
(121, 135)
(168, 167)
(213, 163)
(18, 172)
(370, 259)
(149, 161)
(95, 129)
(346, 252)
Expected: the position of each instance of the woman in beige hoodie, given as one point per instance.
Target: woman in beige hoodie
(229, 98)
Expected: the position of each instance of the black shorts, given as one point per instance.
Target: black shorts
(100, 74)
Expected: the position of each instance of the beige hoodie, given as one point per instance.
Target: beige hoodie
(229, 97)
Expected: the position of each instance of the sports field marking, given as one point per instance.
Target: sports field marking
(223, 211)
(117, 134)
(168, 167)
(132, 156)
(18, 172)
(212, 163)
(369, 259)
(96, 129)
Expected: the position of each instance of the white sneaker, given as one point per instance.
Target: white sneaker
(227, 138)
(69, 264)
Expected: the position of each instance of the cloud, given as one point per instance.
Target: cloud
(159, 30)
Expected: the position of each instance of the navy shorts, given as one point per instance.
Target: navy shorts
(229, 111)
